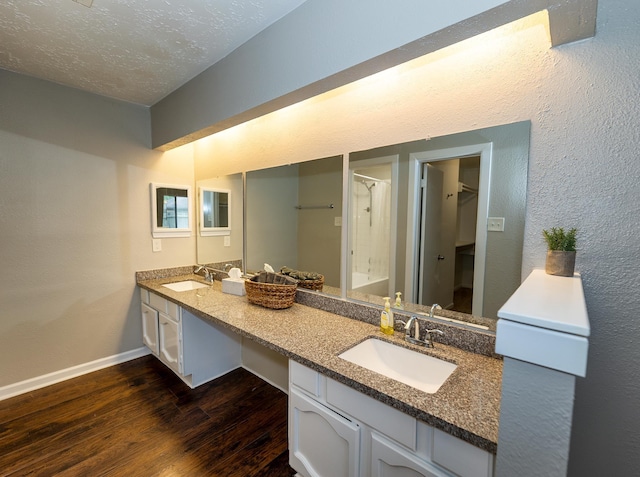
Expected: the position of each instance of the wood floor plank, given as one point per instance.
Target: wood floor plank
(139, 419)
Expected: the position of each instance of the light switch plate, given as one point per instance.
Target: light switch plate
(337, 221)
(495, 224)
(227, 241)
(156, 245)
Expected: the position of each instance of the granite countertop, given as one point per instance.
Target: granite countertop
(466, 406)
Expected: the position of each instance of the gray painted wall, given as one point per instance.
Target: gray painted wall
(535, 421)
(75, 225)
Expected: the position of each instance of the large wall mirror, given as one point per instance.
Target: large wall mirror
(417, 220)
(294, 218)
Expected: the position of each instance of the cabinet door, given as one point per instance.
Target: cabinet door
(150, 328)
(389, 460)
(321, 442)
(170, 343)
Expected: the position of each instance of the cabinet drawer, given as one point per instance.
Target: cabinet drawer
(144, 296)
(460, 457)
(305, 378)
(397, 425)
(164, 306)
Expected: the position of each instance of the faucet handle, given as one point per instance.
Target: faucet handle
(427, 337)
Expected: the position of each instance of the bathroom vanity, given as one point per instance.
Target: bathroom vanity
(368, 424)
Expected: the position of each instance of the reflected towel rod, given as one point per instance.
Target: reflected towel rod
(300, 207)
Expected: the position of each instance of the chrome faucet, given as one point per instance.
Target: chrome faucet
(208, 274)
(435, 306)
(414, 322)
(416, 330)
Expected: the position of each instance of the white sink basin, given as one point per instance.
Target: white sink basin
(185, 285)
(409, 367)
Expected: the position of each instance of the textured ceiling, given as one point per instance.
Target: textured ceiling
(134, 50)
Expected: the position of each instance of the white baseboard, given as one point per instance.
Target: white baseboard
(38, 382)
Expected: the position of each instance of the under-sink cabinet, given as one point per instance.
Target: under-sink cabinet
(336, 430)
(196, 350)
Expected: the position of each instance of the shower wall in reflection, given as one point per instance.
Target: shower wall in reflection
(371, 229)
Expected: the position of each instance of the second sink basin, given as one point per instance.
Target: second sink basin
(407, 366)
(185, 285)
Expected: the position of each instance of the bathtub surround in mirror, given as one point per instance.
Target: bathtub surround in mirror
(444, 253)
(171, 210)
(220, 220)
(294, 218)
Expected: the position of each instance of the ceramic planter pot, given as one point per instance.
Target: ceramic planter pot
(560, 263)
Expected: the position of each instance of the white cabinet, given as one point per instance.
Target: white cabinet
(390, 460)
(391, 443)
(196, 350)
(321, 441)
(150, 328)
(170, 343)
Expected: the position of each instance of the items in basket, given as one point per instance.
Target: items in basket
(309, 280)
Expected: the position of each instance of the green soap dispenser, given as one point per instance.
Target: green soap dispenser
(386, 318)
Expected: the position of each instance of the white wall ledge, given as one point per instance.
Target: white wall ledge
(545, 322)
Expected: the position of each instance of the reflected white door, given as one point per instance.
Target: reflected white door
(430, 236)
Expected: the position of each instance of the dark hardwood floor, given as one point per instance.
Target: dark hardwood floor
(139, 419)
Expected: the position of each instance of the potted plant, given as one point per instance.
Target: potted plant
(561, 253)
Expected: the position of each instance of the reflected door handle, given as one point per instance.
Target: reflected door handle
(440, 257)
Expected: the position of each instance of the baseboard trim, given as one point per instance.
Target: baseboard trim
(38, 382)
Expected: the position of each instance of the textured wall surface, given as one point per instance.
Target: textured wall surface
(534, 440)
(583, 170)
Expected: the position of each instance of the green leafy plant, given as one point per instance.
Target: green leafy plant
(558, 239)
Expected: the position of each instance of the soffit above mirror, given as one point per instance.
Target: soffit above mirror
(194, 110)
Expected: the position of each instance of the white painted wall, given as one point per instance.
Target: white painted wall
(75, 225)
(583, 167)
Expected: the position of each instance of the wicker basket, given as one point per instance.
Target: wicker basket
(271, 295)
(315, 285)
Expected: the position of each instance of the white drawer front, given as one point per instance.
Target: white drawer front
(164, 306)
(305, 378)
(460, 457)
(397, 425)
(144, 296)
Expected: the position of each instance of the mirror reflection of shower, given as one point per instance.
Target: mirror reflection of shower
(371, 229)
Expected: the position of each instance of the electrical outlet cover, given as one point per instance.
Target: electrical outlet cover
(495, 224)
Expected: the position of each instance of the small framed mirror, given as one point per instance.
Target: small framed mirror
(170, 210)
(215, 207)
